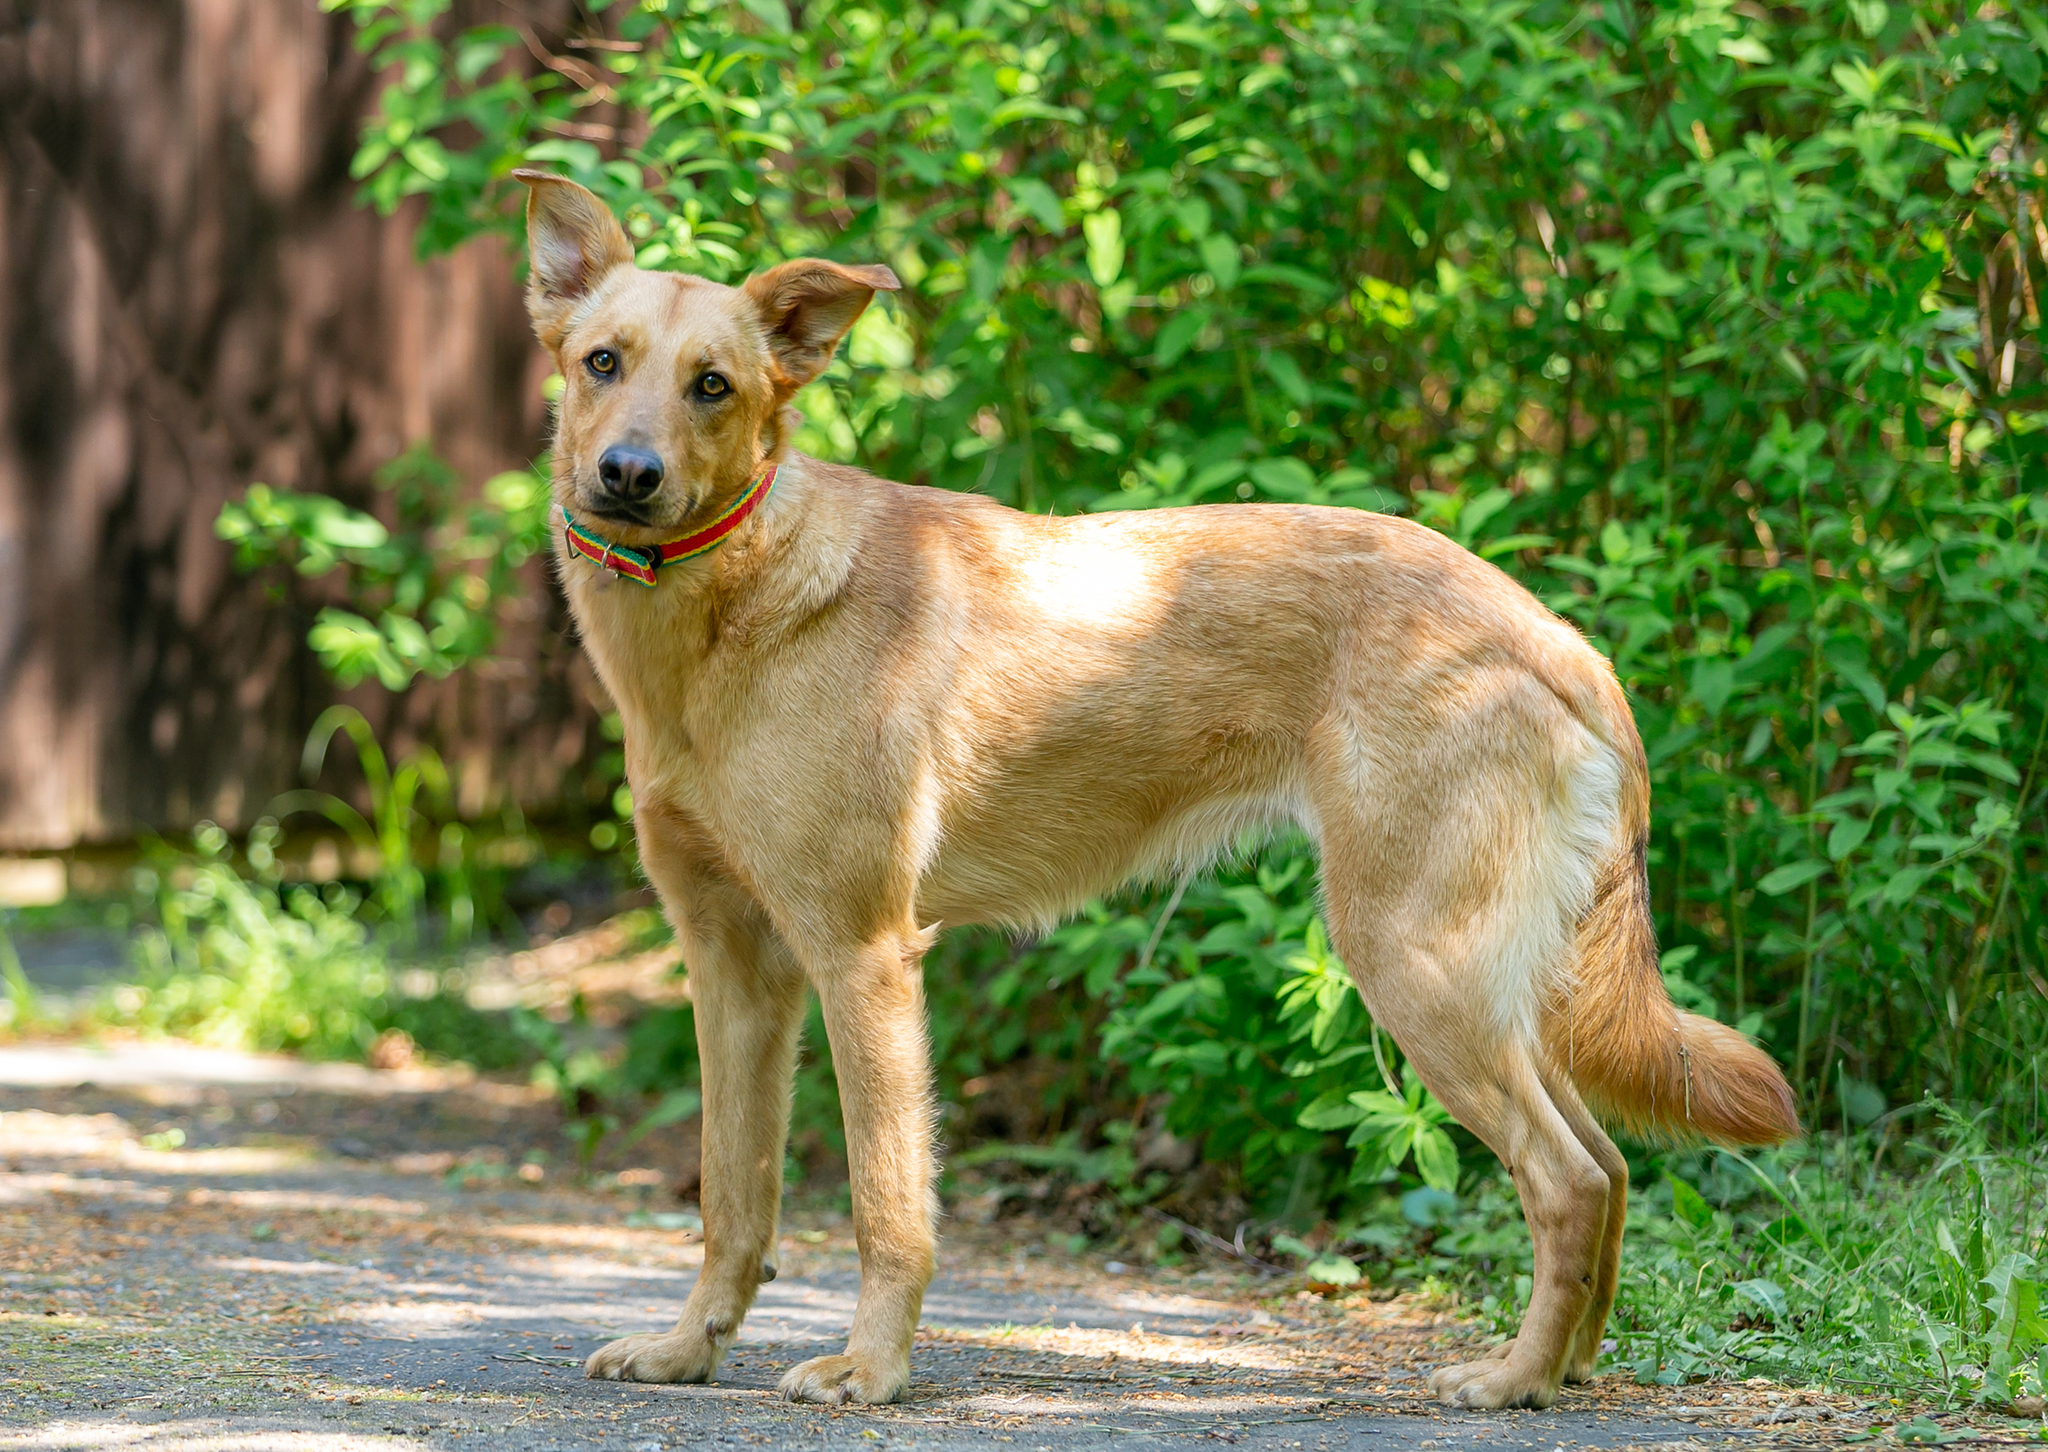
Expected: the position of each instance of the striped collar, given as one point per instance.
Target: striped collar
(639, 562)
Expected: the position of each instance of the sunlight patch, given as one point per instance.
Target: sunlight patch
(1090, 580)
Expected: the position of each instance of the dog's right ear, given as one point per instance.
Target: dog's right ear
(572, 240)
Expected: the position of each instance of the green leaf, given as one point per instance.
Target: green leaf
(1220, 255)
(1870, 16)
(675, 1106)
(1429, 171)
(1902, 887)
(1334, 1270)
(1862, 1102)
(1285, 478)
(1687, 1204)
(352, 648)
(1511, 543)
(1436, 1160)
(1105, 233)
(1766, 1294)
(1847, 836)
(1283, 370)
(1037, 201)
(1178, 333)
(1332, 1111)
(1792, 875)
(1713, 679)
(1429, 1206)
(772, 13)
(331, 524)
(2020, 63)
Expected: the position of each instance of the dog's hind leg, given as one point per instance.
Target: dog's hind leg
(748, 994)
(873, 1003)
(1607, 1277)
(1492, 1086)
(1585, 1353)
(1451, 887)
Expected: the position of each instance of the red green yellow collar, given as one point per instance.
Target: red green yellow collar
(639, 562)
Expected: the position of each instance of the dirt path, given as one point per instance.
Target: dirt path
(334, 1258)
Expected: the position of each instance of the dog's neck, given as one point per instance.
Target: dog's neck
(788, 560)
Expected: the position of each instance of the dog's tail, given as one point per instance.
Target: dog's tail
(1640, 1062)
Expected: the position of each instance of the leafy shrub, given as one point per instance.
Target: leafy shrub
(434, 581)
(248, 962)
(1716, 326)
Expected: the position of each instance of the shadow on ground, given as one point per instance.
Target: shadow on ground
(279, 1280)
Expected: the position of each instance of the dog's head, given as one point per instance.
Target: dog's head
(673, 387)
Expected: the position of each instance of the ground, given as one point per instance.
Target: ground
(204, 1250)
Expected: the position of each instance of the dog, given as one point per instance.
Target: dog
(856, 711)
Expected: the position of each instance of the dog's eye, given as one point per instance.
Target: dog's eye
(713, 385)
(604, 362)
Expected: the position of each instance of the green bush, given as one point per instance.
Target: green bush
(1716, 326)
(230, 953)
(433, 580)
(238, 959)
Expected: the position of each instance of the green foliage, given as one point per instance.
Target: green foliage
(1717, 328)
(22, 1003)
(426, 590)
(1812, 1264)
(233, 953)
(390, 834)
(1392, 1126)
(241, 960)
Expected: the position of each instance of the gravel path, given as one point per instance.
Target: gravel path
(213, 1251)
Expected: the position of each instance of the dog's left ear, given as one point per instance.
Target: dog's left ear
(806, 307)
(573, 240)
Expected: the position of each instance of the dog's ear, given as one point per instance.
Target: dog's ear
(806, 307)
(573, 241)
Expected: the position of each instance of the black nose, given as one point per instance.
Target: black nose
(629, 474)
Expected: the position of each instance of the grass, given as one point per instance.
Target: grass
(1907, 1267)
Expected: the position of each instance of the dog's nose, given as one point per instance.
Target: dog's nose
(629, 474)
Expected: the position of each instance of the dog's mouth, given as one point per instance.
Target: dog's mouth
(655, 511)
(677, 504)
(619, 513)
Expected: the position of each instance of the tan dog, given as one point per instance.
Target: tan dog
(872, 709)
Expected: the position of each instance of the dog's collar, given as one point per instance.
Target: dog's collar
(639, 562)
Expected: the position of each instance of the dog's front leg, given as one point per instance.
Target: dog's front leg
(748, 993)
(873, 1002)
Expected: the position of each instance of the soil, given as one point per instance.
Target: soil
(206, 1250)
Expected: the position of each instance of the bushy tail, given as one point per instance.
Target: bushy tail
(1641, 1062)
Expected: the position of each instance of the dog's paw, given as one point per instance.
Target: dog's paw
(1579, 1368)
(1491, 1384)
(668, 1357)
(835, 1380)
